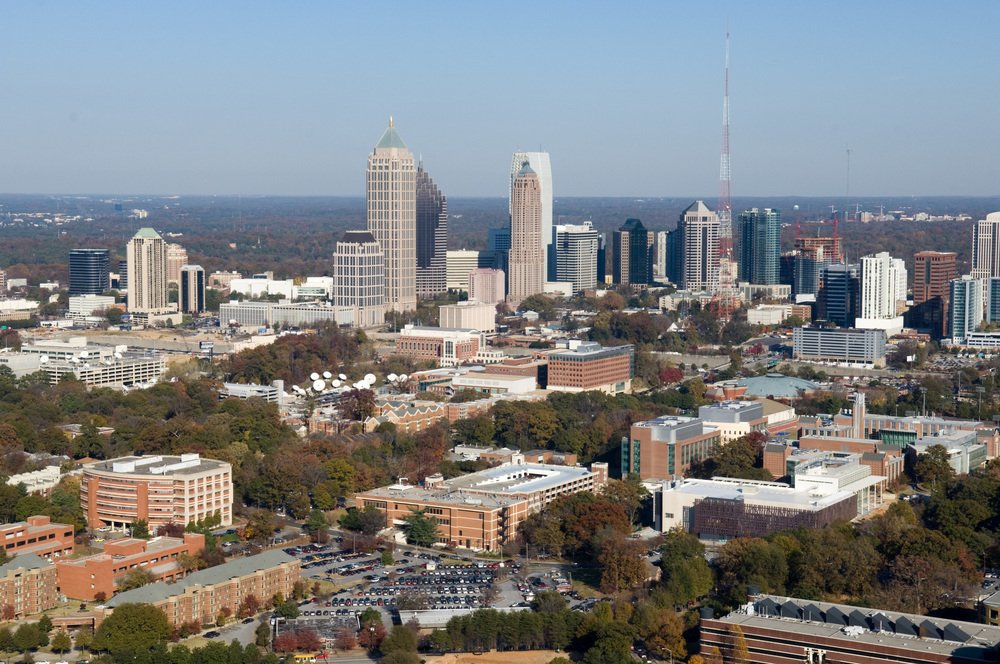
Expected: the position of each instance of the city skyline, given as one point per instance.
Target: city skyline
(187, 101)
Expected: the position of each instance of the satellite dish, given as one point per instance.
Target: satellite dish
(84, 353)
(314, 376)
(118, 355)
(360, 385)
(370, 378)
(336, 383)
(318, 385)
(402, 378)
(342, 377)
(43, 359)
(392, 378)
(327, 375)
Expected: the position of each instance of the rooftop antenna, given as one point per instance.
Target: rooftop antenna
(725, 206)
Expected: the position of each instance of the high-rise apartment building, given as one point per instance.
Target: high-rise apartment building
(932, 275)
(359, 278)
(542, 166)
(192, 290)
(527, 251)
(88, 271)
(760, 245)
(177, 257)
(432, 236)
(487, 285)
(146, 257)
(807, 263)
(632, 254)
(986, 247)
(838, 296)
(660, 254)
(991, 312)
(392, 216)
(699, 228)
(575, 254)
(883, 293)
(966, 312)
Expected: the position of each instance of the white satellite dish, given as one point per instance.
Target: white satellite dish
(298, 390)
(318, 385)
(336, 383)
(370, 378)
(314, 376)
(43, 359)
(84, 353)
(392, 378)
(360, 385)
(118, 355)
(402, 378)
(342, 377)
(327, 375)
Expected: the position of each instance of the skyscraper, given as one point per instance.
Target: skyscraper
(88, 271)
(699, 228)
(540, 163)
(760, 245)
(632, 254)
(432, 236)
(392, 217)
(660, 254)
(986, 247)
(146, 256)
(359, 278)
(675, 256)
(838, 297)
(932, 275)
(177, 257)
(966, 307)
(192, 289)
(806, 270)
(527, 250)
(883, 282)
(575, 252)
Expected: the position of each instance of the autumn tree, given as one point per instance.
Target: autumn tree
(132, 628)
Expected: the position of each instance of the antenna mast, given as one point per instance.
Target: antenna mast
(725, 195)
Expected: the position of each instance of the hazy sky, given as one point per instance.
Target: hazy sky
(289, 97)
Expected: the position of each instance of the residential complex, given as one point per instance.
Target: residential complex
(883, 293)
(28, 585)
(590, 366)
(760, 245)
(147, 272)
(157, 489)
(966, 308)
(487, 285)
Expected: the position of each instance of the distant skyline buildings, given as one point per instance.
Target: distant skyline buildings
(89, 271)
(883, 293)
(699, 235)
(146, 260)
(632, 254)
(432, 236)
(392, 216)
(759, 231)
(359, 277)
(192, 289)
(541, 164)
(574, 250)
(527, 248)
(986, 247)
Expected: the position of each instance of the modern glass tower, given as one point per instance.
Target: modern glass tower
(192, 289)
(88, 271)
(966, 307)
(432, 236)
(575, 252)
(838, 296)
(760, 245)
(632, 254)
(392, 217)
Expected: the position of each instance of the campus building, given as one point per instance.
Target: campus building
(201, 596)
(28, 585)
(590, 366)
(666, 447)
(483, 510)
(157, 489)
(734, 419)
(446, 346)
(37, 535)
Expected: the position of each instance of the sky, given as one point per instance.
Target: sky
(288, 98)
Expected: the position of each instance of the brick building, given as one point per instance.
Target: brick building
(590, 366)
(445, 346)
(157, 489)
(37, 535)
(84, 578)
(666, 447)
(28, 585)
(202, 595)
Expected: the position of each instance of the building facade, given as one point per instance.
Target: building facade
(89, 271)
(986, 247)
(432, 236)
(883, 293)
(459, 263)
(839, 295)
(192, 290)
(574, 250)
(147, 272)
(590, 366)
(448, 347)
(487, 285)
(527, 246)
(541, 164)
(699, 236)
(469, 315)
(845, 347)
(665, 447)
(392, 217)
(157, 489)
(760, 245)
(28, 585)
(359, 277)
(966, 307)
(632, 254)
(177, 257)
(37, 535)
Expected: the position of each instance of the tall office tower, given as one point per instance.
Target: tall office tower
(3, 281)
(146, 256)
(192, 290)
(527, 249)
(883, 278)
(497, 252)
(359, 278)
(177, 257)
(632, 254)
(660, 254)
(932, 275)
(487, 285)
(760, 245)
(540, 163)
(675, 256)
(432, 236)
(966, 307)
(459, 263)
(986, 247)
(498, 239)
(837, 300)
(831, 245)
(88, 271)
(991, 312)
(602, 258)
(699, 228)
(786, 267)
(575, 252)
(392, 217)
(807, 271)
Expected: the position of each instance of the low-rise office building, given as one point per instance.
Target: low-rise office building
(82, 307)
(734, 419)
(493, 384)
(665, 447)
(28, 585)
(203, 595)
(589, 366)
(965, 452)
(844, 347)
(37, 535)
(157, 489)
(446, 346)
(86, 578)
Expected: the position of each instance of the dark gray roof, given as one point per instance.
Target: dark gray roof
(24, 561)
(357, 236)
(159, 591)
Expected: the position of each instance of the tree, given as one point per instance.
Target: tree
(249, 606)
(288, 610)
(357, 404)
(262, 635)
(662, 630)
(933, 466)
(61, 642)
(368, 521)
(622, 563)
(27, 637)
(371, 634)
(420, 528)
(136, 578)
(132, 628)
(629, 493)
(316, 526)
(738, 651)
(140, 529)
(45, 624)
(346, 640)
(260, 526)
(84, 638)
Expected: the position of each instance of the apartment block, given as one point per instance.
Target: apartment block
(28, 585)
(37, 535)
